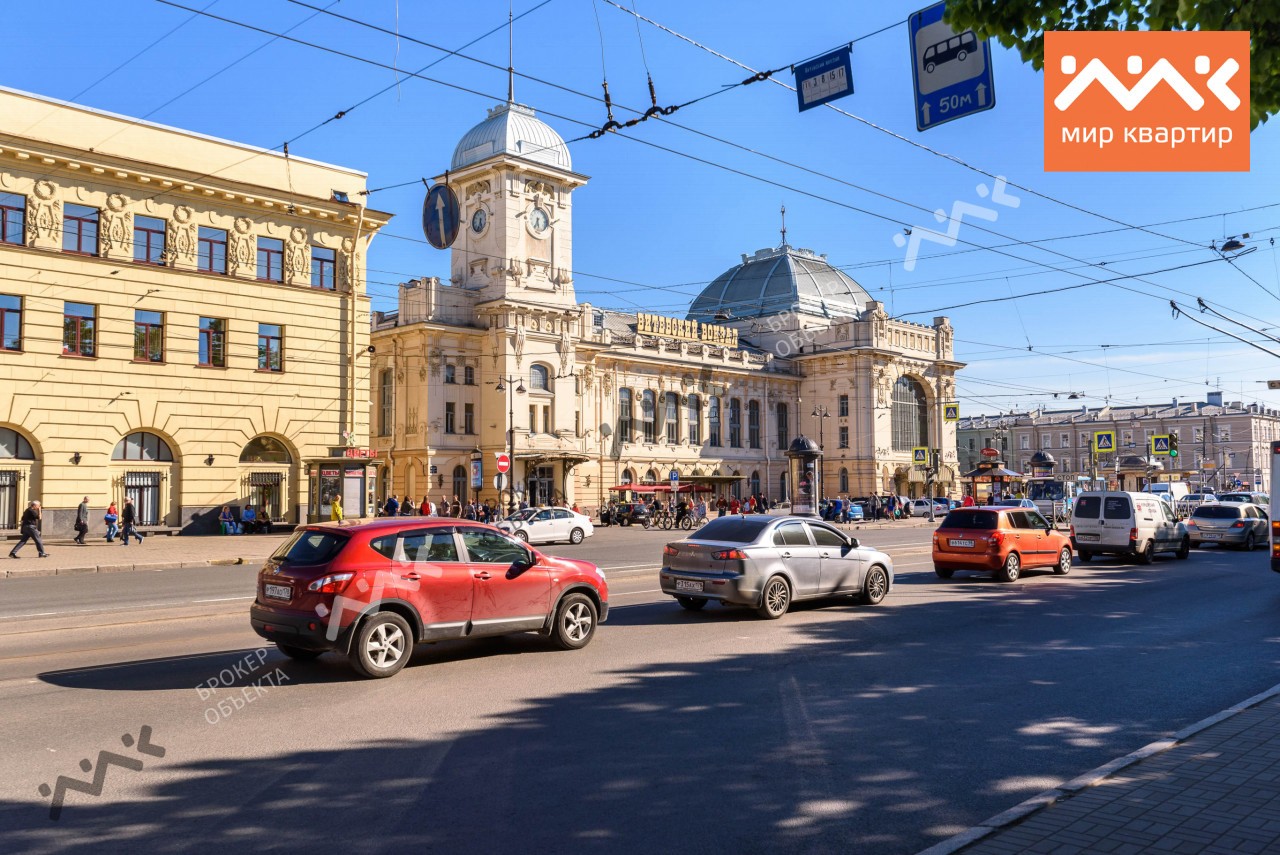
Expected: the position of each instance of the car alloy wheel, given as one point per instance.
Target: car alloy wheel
(776, 598)
(576, 536)
(1147, 554)
(1064, 562)
(521, 534)
(875, 586)
(1011, 569)
(575, 622)
(1250, 542)
(1184, 550)
(382, 645)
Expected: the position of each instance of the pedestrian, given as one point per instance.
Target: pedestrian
(29, 528)
(734, 506)
(721, 506)
(968, 501)
(335, 509)
(455, 507)
(875, 506)
(226, 520)
(425, 508)
(392, 506)
(82, 521)
(407, 509)
(111, 518)
(128, 517)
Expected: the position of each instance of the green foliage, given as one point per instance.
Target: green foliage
(1021, 24)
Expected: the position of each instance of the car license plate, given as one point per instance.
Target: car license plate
(1209, 535)
(278, 592)
(688, 585)
(1087, 538)
(968, 543)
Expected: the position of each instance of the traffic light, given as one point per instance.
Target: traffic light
(1173, 445)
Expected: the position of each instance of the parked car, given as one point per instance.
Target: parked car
(1231, 524)
(1262, 500)
(548, 525)
(371, 589)
(628, 513)
(769, 562)
(920, 507)
(1120, 523)
(1188, 503)
(1000, 540)
(1016, 503)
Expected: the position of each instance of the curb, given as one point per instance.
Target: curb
(33, 572)
(1091, 778)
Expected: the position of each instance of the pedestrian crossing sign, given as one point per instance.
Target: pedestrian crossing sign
(920, 456)
(1104, 440)
(1160, 444)
(951, 412)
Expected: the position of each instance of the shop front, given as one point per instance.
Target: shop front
(348, 474)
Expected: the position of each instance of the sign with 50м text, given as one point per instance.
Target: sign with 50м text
(1146, 101)
(951, 71)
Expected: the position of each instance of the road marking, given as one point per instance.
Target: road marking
(222, 600)
(134, 607)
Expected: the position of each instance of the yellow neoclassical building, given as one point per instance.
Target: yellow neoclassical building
(503, 359)
(183, 321)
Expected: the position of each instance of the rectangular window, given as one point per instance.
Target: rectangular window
(673, 418)
(213, 343)
(1046, 441)
(533, 419)
(577, 423)
(10, 322)
(386, 382)
(713, 422)
(468, 418)
(13, 213)
(1065, 440)
(1066, 464)
(735, 423)
(1199, 435)
(451, 374)
(148, 336)
(148, 240)
(211, 250)
(695, 420)
(844, 436)
(547, 426)
(80, 229)
(753, 424)
(784, 426)
(624, 415)
(270, 347)
(270, 259)
(1224, 434)
(843, 406)
(469, 375)
(450, 417)
(324, 268)
(1024, 441)
(647, 415)
(79, 329)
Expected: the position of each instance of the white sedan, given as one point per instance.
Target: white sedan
(548, 525)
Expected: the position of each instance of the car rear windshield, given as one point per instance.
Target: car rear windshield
(310, 546)
(980, 520)
(1088, 507)
(1115, 508)
(734, 529)
(1217, 512)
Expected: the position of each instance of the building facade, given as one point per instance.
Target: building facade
(502, 358)
(184, 321)
(1223, 445)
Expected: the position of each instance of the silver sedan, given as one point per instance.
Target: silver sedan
(1229, 524)
(768, 562)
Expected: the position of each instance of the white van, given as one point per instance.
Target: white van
(1171, 490)
(1118, 523)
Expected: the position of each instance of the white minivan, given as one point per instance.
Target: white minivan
(1118, 523)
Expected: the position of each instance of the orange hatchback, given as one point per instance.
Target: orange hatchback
(1003, 541)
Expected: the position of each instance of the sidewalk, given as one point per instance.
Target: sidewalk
(1212, 788)
(156, 552)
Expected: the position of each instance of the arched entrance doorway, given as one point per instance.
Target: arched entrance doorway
(17, 464)
(142, 470)
(266, 477)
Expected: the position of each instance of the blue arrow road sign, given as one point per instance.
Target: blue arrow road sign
(951, 71)
(824, 79)
(440, 216)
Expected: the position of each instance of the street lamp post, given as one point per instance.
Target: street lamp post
(514, 384)
(821, 413)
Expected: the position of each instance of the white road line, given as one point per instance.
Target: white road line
(222, 600)
(133, 607)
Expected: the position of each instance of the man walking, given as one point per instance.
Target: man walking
(128, 518)
(82, 521)
(29, 527)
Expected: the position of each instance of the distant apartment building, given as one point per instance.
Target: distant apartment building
(1221, 444)
(183, 321)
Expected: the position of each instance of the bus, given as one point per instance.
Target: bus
(1053, 496)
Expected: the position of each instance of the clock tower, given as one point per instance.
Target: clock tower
(515, 182)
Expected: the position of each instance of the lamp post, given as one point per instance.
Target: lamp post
(515, 384)
(821, 413)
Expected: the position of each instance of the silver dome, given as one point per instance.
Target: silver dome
(512, 129)
(779, 280)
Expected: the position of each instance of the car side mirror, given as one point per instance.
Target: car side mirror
(853, 543)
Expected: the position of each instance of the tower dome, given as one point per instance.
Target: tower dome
(779, 280)
(512, 129)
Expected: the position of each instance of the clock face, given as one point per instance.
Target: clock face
(478, 220)
(538, 220)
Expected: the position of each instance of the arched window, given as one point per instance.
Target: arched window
(628, 477)
(14, 446)
(910, 415)
(755, 483)
(539, 378)
(735, 423)
(784, 427)
(844, 480)
(695, 420)
(672, 418)
(651, 477)
(646, 414)
(264, 449)
(624, 415)
(142, 446)
(713, 421)
(753, 425)
(460, 482)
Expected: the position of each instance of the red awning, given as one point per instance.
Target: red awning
(661, 488)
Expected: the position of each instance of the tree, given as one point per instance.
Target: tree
(1021, 24)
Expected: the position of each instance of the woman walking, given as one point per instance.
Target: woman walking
(112, 518)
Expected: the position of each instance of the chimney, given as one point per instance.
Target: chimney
(1175, 404)
(1213, 399)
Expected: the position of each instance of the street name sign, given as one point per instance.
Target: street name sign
(951, 71)
(824, 79)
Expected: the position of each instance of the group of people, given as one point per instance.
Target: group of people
(756, 503)
(487, 511)
(248, 523)
(120, 523)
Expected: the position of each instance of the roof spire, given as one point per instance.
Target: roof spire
(784, 227)
(511, 70)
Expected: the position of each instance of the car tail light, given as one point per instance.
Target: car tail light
(670, 550)
(996, 540)
(1133, 534)
(729, 555)
(1238, 524)
(1073, 530)
(334, 583)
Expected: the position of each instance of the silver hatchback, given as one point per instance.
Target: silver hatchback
(768, 562)
(1229, 523)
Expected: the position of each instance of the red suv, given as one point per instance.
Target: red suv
(371, 589)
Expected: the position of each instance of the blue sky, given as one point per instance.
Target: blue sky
(652, 226)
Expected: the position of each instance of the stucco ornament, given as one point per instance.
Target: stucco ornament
(517, 341)
(117, 225)
(45, 216)
(565, 348)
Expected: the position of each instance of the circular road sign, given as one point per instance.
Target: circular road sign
(500, 481)
(440, 216)
(504, 462)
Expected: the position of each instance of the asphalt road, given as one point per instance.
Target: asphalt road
(838, 728)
